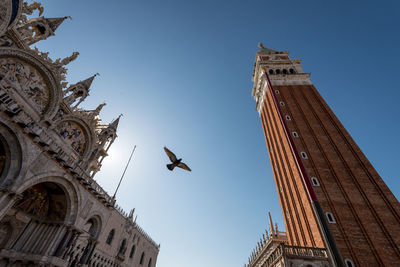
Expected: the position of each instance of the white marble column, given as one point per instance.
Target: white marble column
(32, 238)
(55, 239)
(43, 239)
(26, 233)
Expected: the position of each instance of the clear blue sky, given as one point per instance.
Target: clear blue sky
(180, 72)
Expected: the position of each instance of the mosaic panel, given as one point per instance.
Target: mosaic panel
(23, 77)
(73, 134)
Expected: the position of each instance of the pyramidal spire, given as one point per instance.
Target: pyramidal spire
(55, 22)
(262, 48)
(114, 123)
(88, 82)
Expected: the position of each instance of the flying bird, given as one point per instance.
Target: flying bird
(175, 161)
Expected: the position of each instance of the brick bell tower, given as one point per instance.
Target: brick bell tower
(330, 194)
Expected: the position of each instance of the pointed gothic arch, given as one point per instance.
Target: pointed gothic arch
(122, 247)
(110, 237)
(142, 258)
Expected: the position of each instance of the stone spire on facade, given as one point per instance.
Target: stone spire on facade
(55, 22)
(77, 91)
(38, 29)
(114, 123)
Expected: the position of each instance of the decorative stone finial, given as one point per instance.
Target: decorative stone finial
(99, 108)
(27, 9)
(69, 59)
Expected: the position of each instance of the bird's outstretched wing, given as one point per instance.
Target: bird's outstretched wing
(184, 166)
(170, 155)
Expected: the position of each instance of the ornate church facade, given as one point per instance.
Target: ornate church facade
(337, 209)
(52, 211)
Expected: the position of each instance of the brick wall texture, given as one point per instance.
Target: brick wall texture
(367, 214)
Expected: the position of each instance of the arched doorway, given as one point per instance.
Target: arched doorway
(45, 202)
(37, 220)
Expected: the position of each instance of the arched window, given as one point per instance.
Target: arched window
(291, 71)
(122, 247)
(110, 237)
(91, 227)
(149, 265)
(314, 181)
(132, 253)
(278, 71)
(330, 217)
(142, 258)
(284, 71)
(271, 71)
(304, 155)
(349, 263)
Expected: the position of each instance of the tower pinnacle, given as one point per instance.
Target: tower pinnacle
(262, 48)
(271, 225)
(55, 22)
(88, 82)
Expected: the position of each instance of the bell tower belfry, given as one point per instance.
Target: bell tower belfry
(330, 194)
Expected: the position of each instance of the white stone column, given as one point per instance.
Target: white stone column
(57, 242)
(35, 243)
(59, 249)
(44, 239)
(26, 233)
(54, 237)
(32, 238)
